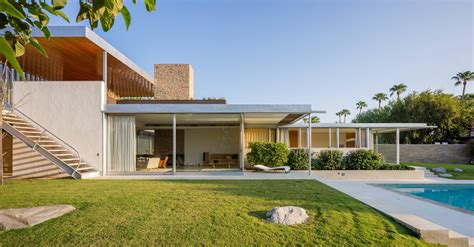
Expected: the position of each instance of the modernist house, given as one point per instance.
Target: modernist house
(90, 111)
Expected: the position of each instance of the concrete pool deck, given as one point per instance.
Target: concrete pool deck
(395, 204)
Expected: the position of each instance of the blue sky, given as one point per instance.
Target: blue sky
(326, 53)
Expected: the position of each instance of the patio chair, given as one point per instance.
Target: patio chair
(263, 168)
(163, 162)
(153, 163)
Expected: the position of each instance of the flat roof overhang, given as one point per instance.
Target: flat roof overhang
(258, 114)
(75, 53)
(375, 127)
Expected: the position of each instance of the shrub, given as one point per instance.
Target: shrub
(472, 152)
(268, 154)
(362, 159)
(328, 160)
(386, 166)
(298, 159)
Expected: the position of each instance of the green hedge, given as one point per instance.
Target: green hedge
(298, 159)
(268, 154)
(362, 159)
(328, 160)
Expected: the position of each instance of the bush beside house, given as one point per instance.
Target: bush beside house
(328, 160)
(360, 159)
(277, 154)
(298, 159)
(268, 154)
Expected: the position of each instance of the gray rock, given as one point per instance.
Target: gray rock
(445, 175)
(15, 218)
(457, 170)
(289, 215)
(439, 170)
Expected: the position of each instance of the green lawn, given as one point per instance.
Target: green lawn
(150, 212)
(468, 170)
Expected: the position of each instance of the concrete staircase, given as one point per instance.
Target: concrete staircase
(47, 144)
(428, 173)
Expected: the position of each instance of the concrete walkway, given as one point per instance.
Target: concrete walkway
(392, 203)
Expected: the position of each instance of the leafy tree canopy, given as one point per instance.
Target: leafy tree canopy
(452, 116)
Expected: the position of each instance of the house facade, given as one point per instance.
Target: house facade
(90, 111)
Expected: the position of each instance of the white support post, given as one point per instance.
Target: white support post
(174, 143)
(367, 138)
(330, 138)
(359, 138)
(376, 142)
(309, 144)
(398, 145)
(277, 135)
(299, 137)
(269, 135)
(337, 137)
(103, 102)
(242, 142)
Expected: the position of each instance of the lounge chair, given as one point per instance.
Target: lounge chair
(163, 162)
(263, 168)
(153, 163)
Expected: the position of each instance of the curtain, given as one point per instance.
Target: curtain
(284, 136)
(121, 143)
(256, 135)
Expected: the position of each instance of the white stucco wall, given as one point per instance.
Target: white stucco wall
(70, 110)
(212, 140)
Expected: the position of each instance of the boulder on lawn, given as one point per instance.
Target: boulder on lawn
(457, 170)
(438, 170)
(445, 175)
(289, 215)
(15, 218)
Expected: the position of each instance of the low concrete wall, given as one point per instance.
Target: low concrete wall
(448, 153)
(368, 175)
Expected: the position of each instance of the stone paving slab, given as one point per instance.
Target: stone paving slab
(15, 218)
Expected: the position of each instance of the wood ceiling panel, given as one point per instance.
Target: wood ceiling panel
(79, 59)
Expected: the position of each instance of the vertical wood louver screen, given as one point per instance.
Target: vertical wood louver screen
(121, 144)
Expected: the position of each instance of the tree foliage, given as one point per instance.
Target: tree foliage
(452, 116)
(19, 17)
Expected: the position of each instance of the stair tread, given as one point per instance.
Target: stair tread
(46, 143)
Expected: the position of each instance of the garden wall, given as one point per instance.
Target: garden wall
(448, 153)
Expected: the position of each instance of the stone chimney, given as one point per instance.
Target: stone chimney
(174, 82)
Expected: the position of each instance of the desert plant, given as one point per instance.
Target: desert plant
(298, 159)
(328, 160)
(362, 159)
(268, 154)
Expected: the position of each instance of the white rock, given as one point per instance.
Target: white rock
(457, 170)
(26, 217)
(446, 175)
(289, 215)
(439, 170)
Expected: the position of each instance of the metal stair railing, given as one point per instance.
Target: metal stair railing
(45, 133)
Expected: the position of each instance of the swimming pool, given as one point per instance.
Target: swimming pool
(455, 195)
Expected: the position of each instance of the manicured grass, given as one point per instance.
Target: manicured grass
(468, 170)
(149, 212)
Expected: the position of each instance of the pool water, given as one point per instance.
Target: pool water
(456, 195)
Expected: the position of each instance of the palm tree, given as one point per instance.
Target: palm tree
(380, 97)
(344, 113)
(463, 78)
(398, 89)
(360, 105)
(314, 119)
(339, 114)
